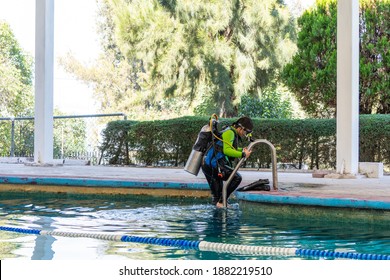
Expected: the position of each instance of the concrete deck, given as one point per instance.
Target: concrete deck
(295, 188)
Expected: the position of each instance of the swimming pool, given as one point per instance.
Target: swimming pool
(184, 218)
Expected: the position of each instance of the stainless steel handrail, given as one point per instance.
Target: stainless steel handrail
(274, 171)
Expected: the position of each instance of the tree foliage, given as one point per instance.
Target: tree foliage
(312, 74)
(375, 57)
(188, 57)
(16, 96)
(269, 105)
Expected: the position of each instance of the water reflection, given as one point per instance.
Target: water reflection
(43, 243)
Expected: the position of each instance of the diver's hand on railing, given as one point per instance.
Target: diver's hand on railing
(246, 152)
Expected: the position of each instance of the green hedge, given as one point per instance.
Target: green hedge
(310, 141)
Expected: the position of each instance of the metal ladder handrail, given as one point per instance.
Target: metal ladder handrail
(274, 171)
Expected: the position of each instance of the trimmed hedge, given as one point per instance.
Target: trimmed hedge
(310, 141)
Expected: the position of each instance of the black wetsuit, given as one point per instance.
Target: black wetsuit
(217, 164)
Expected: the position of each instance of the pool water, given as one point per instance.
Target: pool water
(176, 218)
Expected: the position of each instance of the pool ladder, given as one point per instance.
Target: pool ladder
(274, 171)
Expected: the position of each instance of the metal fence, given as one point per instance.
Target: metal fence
(76, 137)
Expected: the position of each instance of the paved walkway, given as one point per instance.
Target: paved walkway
(294, 187)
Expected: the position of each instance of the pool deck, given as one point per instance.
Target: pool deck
(294, 188)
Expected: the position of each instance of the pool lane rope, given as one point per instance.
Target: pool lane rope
(207, 246)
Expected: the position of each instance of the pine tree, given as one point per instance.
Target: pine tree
(312, 73)
(174, 57)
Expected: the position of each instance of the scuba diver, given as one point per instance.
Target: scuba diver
(217, 163)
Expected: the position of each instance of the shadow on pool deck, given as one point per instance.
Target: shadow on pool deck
(295, 188)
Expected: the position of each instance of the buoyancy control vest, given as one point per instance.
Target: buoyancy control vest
(215, 152)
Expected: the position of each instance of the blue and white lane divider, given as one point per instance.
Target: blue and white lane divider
(207, 246)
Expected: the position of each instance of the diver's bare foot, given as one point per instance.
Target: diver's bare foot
(219, 205)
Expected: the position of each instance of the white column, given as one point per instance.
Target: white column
(347, 158)
(44, 64)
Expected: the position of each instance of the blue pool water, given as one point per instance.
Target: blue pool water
(189, 219)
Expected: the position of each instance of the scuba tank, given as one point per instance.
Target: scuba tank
(202, 143)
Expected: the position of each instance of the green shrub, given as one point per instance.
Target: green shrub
(310, 142)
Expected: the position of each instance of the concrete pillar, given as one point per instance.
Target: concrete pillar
(347, 158)
(44, 66)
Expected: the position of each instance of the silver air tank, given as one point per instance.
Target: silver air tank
(195, 159)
